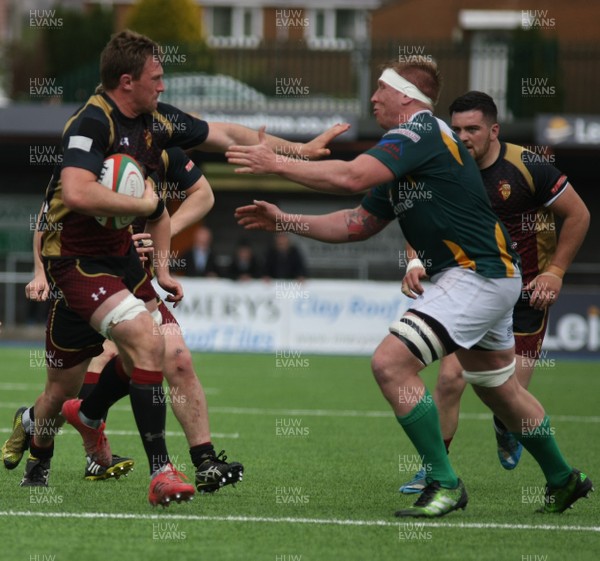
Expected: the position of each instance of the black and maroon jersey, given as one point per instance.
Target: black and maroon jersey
(95, 131)
(521, 185)
(175, 175)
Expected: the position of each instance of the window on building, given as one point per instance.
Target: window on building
(222, 24)
(344, 24)
(233, 26)
(335, 29)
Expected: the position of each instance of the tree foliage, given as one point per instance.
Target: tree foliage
(80, 40)
(68, 54)
(175, 21)
(175, 24)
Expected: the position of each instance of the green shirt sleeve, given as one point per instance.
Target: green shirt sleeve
(377, 202)
(402, 150)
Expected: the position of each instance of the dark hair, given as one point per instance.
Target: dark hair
(475, 101)
(125, 53)
(422, 72)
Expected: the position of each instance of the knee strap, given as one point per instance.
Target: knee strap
(490, 378)
(125, 310)
(419, 337)
(156, 316)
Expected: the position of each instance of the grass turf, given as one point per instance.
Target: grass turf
(320, 448)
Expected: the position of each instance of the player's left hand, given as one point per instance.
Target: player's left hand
(173, 287)
(259, 158)
(317, 147)
(143, 244)
(545, 289)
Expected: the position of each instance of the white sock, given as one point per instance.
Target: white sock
(26, 422)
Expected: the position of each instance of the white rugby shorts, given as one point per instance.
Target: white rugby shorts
(475, 310)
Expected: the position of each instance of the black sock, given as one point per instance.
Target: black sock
(499, 424)
(110, 388)
(150, 412)
(89, 383)
(41, 452)
(198, 453)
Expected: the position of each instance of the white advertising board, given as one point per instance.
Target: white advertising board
(328, 316)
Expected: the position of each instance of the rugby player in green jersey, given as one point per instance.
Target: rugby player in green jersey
(474, 272)
(526, 192)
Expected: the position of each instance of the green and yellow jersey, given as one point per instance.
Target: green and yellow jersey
(439, 200)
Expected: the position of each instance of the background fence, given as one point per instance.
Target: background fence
(331, 78)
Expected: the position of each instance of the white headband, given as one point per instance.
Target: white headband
(392, 78)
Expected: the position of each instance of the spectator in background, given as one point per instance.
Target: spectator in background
(200, 259)
(284, 260)
(244, 264)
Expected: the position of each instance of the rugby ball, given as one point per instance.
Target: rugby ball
(122, 174)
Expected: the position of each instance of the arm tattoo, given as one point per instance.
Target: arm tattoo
(362, 224)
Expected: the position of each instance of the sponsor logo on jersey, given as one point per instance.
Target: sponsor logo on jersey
(558, 185)
(405, 132)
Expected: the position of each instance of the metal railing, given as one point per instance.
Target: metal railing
(338, 79)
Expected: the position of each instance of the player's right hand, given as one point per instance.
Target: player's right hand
(150, 198)
(38, 289)
(258, 216)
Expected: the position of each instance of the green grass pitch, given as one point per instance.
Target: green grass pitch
(323, 457)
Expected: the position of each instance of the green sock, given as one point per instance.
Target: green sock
(422, 426)
(540, 443)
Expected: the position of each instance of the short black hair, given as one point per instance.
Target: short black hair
(475, 101)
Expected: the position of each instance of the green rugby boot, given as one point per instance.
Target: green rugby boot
(559, 499)
(437, 501)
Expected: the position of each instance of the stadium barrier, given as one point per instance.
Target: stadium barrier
(337, 317)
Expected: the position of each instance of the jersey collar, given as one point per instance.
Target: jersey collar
(419, 113)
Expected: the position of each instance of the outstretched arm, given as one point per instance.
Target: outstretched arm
(331, 176)
(348, 225)
(223, 135)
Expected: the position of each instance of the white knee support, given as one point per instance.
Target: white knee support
(156, 316)
(490, 378)
(127, 309)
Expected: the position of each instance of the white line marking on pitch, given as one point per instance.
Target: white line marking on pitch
(16, 386)
(321, 521)
(338, 413)
(134, 433)
(376, 414)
